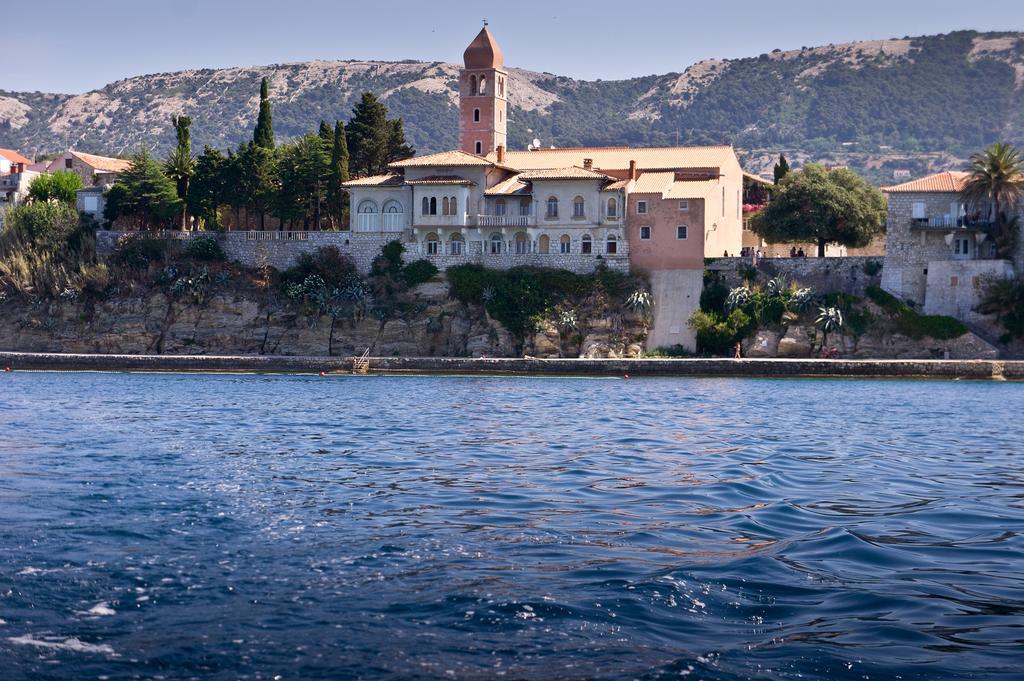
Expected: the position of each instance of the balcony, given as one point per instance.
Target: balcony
(505, 221)
(946, 222)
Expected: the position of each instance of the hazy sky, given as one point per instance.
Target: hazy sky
(74, 46)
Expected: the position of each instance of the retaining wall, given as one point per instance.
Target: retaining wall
(973, 369)
(824, 275)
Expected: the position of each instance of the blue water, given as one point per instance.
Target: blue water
(293, 527)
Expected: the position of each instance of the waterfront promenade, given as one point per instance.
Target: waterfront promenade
(895, 368)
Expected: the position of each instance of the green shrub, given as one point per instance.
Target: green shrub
(747, 272)
(910, 323)
(138, 249)
(1004, 298)
(418, 272)
(717, 336)
(335, 269)
(42, 224)
(206, 249)
(714, 294)
(670, 351)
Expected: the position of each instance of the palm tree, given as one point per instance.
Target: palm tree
(996, 176)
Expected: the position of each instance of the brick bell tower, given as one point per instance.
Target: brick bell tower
(483, 96)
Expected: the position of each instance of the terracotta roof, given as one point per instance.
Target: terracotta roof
(570, 173)
(103, 163)
(756, 178)
(441, 179)
(616, 186)
(14, 157)
(444, 158)
(618, 158)
(653, 183)
(392, 180)
(483, 52)
(510, 187)
(951, 182)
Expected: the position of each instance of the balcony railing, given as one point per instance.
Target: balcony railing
(504, 220)
(949, 222)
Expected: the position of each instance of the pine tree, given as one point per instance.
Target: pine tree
(337, 196)
(781, 168)
(257, 178)
(263, 136)
(398, 148)
(145, 193)
(368, 137)
(208, 190)
(326, 134)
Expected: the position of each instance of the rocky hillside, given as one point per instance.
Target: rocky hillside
(913, 103)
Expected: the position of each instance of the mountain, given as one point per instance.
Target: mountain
(877, 106)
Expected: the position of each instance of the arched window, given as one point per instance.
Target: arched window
(578, 208)
(426, 206)
(457, 244)
(433, 205)
(499, 207)
(453, 206)
(613, 208)
(564, 244)
(483, 85)
(524, 207)
(444, 206)
(611, 245)
(522, 243)
(476, 115)
(544, 244)
(495, 244)
(367, 206)
(367, 220)
(501, 86)
(432, 244)
(552, 208)
(586, 245)
(393, 218)
(393, 207)
(472, 85)
(479, 147)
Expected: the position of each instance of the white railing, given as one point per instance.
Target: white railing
(504, 220)
(444, 220)
(267, 235)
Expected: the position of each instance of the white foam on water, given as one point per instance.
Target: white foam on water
(101, 609)
(3, 622)
(71, 644)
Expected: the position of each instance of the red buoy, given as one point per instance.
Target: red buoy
(322, 373)
(626, 376)
(7, 369)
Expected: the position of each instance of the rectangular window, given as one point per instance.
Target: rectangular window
(432, 247)
(684, 206)
(566, 246)
(577, 209)
(641, 208)
(67, 163)
(723, 202)
(456, 247)
(586, 246)
(917, 210)
(645, 233)
(681, 232)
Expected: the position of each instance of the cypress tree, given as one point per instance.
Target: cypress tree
(326, 134)
(368, 136)
(263, 136)
(781, 168)
(337, 196)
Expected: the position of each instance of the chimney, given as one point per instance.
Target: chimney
(501, 153)
(19, 168)
(632, 170)
(588, 163)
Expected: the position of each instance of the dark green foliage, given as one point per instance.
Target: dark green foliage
(747, 273)
(205, 248)
(912, 324)
(42, 224)
(337, 197)
(138, 249)
(335, 269)
(823, 206)
(872, 267)
(303, 171)
(144, 195)
(263, 135)
(717, 335)
(1004, 298)
(390, 258)
(418, 271)
(670, 351)
(180, 165)
(781, 168)
(518, 297)
(374, 141)
(714, 293)
(62, 186)
(253, 179)
(209, 190)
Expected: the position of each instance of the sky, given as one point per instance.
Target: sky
(72, 46)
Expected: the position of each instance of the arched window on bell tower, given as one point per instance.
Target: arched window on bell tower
(483, 85)
(472, 85)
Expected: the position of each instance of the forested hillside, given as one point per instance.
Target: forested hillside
(863, 103)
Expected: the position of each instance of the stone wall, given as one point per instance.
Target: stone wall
(955, 287)
(280, 250)
(824, 275)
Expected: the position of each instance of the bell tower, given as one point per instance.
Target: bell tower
(483, 96)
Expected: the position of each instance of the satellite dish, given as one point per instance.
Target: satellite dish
(536, 143)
